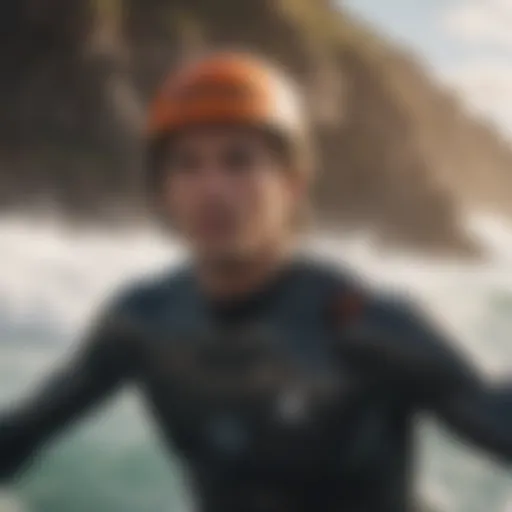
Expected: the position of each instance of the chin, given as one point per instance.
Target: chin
(226, 254)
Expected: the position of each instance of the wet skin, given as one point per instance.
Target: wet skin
(301, 397)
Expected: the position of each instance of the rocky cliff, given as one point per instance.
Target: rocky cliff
(396, 154)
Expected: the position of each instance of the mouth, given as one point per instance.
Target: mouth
(216, 225)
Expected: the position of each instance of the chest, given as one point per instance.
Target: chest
(270, 390)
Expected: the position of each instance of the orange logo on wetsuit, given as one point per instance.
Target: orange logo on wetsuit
(347, 308)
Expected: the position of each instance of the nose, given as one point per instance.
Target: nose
(213, 180)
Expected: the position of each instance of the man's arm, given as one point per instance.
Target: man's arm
(393, 340)
(104, 360)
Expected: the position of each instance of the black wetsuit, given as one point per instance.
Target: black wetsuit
(299, 398)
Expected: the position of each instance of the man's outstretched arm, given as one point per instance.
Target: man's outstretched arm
(101, 364)
(393, 340)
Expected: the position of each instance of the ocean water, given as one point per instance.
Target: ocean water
(52, 281)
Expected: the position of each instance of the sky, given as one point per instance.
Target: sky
(466, 43)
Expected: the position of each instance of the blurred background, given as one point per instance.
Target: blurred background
(411, 102)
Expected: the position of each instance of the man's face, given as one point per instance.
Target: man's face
(227, 193)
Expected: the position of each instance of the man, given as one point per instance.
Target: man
(285, 385)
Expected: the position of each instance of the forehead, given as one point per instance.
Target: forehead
(218, 136)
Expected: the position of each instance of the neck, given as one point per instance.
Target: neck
(237, 277)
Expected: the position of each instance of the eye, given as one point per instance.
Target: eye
(240, 158)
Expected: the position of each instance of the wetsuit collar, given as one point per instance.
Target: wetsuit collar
(245, 306)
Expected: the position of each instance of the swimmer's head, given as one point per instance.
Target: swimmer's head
(230, 159)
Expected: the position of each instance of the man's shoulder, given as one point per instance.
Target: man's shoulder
(323, 288)
(327, 280)
(349, 295)
(147, 293)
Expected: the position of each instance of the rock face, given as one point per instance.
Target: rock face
(396, 155)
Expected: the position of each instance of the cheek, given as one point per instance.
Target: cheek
(269, 198)
(179, 197)
(250, 196)
(278, 194)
